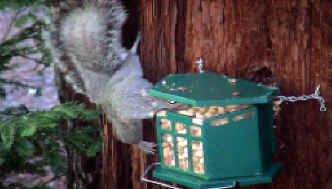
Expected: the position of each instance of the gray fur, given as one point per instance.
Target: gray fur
(86, 45)
(126, 100)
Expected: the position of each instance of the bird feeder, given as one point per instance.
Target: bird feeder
(224, 135)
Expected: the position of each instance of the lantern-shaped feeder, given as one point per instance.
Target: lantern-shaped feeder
(224, 135)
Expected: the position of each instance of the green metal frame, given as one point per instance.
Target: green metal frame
(238, 151)
(209, 89)
(187, 121)
(198, 183)
(256, 141)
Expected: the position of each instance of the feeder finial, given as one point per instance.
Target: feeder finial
(200, 65)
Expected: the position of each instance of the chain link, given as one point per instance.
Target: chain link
(315, 96)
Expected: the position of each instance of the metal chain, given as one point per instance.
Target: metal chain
(316, 96)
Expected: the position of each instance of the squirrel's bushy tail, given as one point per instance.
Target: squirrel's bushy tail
(87, 38)
(92, 35)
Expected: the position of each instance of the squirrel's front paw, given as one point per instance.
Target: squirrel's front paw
(147, 147)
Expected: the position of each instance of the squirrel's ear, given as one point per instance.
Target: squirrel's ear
(133, 49)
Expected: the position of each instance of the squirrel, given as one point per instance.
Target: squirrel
(85, 43)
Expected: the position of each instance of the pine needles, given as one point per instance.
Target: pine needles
(32, 140)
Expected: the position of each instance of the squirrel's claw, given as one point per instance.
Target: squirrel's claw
(147, 147)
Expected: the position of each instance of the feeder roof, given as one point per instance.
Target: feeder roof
(206, 89)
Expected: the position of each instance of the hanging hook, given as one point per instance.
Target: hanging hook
(317, 90)
(320, 98)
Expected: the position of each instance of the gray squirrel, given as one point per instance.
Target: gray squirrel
(86, 46)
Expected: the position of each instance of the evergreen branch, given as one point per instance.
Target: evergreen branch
(12, 82)
(9, 28)
(53, 179)
(29, 123)
(30, 32)
(18, 4)
(29, 58)
(25, 135)
(9, 49)
(15, 111)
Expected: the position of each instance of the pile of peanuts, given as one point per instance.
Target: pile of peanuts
(182, 150)
(180, 128)
(165, 124)
(196, 146)
(198, 157)
(211, 111)
(195, 131)
(168, 152)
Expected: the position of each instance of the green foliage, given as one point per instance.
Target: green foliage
(27, 124)
(10, 48)
(29, 141)
(18, 4)
(32, 140)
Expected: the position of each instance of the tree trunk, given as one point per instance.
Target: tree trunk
(292, 39)
(83, 172)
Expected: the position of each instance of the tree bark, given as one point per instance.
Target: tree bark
(83, 172)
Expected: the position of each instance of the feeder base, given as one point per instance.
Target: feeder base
(198, 183)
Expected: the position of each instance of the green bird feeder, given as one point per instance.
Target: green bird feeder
(223, 138)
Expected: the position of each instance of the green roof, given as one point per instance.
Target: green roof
(206, 89)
